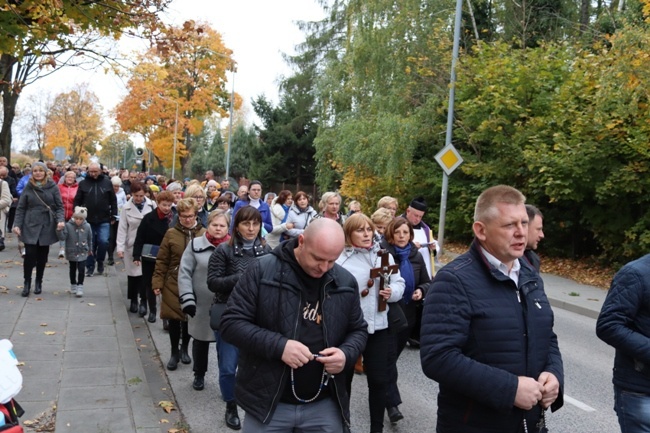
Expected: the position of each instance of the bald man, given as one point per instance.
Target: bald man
(96, 193)
(296, 318)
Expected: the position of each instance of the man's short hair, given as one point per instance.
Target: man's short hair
(485, 208)
(532, 212)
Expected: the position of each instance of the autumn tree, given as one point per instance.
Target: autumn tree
(187, 69)
(118, 150)
(38, 37)
(74, 122)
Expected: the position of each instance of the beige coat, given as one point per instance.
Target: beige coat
(130, 219)
(5, 204)
(165, 276)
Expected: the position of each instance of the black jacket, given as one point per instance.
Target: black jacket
(151, 230)
(227, 264)
(98, 196)
(480, 332)
(624, 323)
(263, 313)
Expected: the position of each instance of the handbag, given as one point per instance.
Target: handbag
(10, 412)
(397, 319)
(216, 311)
(150, 252)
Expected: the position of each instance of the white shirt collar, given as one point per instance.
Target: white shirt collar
(513, 273)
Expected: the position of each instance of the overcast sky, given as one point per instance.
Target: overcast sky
(258, 32)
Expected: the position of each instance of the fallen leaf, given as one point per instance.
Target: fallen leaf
(3, 275)
(39, 299)
(164, 421)
(49, 332)
(167, 406)
(29, 422)
(21, 333)
(91, 304)
(43, 324)
(20, 364)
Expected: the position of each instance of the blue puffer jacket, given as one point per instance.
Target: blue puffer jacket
(477, 338)
(624, 323)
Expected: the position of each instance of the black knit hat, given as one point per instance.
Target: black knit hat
(418, 203)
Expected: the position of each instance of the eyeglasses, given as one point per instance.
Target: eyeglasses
(198, 197)
(187, 217)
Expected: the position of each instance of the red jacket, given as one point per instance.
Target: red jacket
(67, 195)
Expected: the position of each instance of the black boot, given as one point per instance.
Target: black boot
(38, 287)
(172, 364)
(199, 382)
(134, 306)
(142, 311)
(152, 316)
(185, 357)
(232, 417)
(26, 288)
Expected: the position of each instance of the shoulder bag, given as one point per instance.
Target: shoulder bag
(216, 311)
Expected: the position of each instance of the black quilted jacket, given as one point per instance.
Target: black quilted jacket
(226, 265)
(263, 313)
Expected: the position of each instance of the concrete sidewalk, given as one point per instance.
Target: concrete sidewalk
(90, 366)
(87, 367)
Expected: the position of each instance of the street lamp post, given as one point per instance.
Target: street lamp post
(232, 98)
(232, 101)
(175, 133)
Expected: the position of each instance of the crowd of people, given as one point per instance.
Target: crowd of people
(298, 300)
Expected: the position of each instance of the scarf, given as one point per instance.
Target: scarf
(168, 217)
(406, 271)
(286, 213)
(216, 242)
(140, 206)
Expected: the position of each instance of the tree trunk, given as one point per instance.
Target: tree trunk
(9, 101)
(584, 16)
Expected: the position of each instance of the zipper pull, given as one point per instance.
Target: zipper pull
(518, 296)
(537, 304)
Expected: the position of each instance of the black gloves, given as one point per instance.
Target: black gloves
(190, 310)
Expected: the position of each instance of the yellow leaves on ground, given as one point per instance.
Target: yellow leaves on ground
(167, 405)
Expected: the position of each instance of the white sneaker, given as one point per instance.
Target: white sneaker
(80, 291)
(61, 253)
(73, 288)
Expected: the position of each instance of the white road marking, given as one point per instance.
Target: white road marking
(578, 404)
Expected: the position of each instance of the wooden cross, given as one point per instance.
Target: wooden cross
(384, 272)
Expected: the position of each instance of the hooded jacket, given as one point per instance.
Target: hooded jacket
(263, 313)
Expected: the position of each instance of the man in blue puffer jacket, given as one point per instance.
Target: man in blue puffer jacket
(487, 329)
(624, 323)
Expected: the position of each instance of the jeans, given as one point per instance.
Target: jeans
(633, 410)
(321, 416)
(227, 356)
(101, 232)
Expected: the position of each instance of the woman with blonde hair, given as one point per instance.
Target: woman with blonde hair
(389, 203)
(38, 216)
(360, 256)
(196, 192)
(330, 207)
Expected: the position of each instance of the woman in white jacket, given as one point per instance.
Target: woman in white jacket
(279, 213)
(130, 218)
(359, 257)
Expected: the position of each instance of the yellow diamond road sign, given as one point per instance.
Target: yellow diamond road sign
(449, 158)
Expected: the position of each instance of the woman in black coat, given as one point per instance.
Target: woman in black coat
(227, 263)
(399, 242)
(150, 234)
(38, 216)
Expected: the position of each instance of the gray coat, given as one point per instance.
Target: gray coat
(193, 286)
(39, 210)
(78, 240)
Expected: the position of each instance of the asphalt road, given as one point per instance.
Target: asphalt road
(588, 369)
